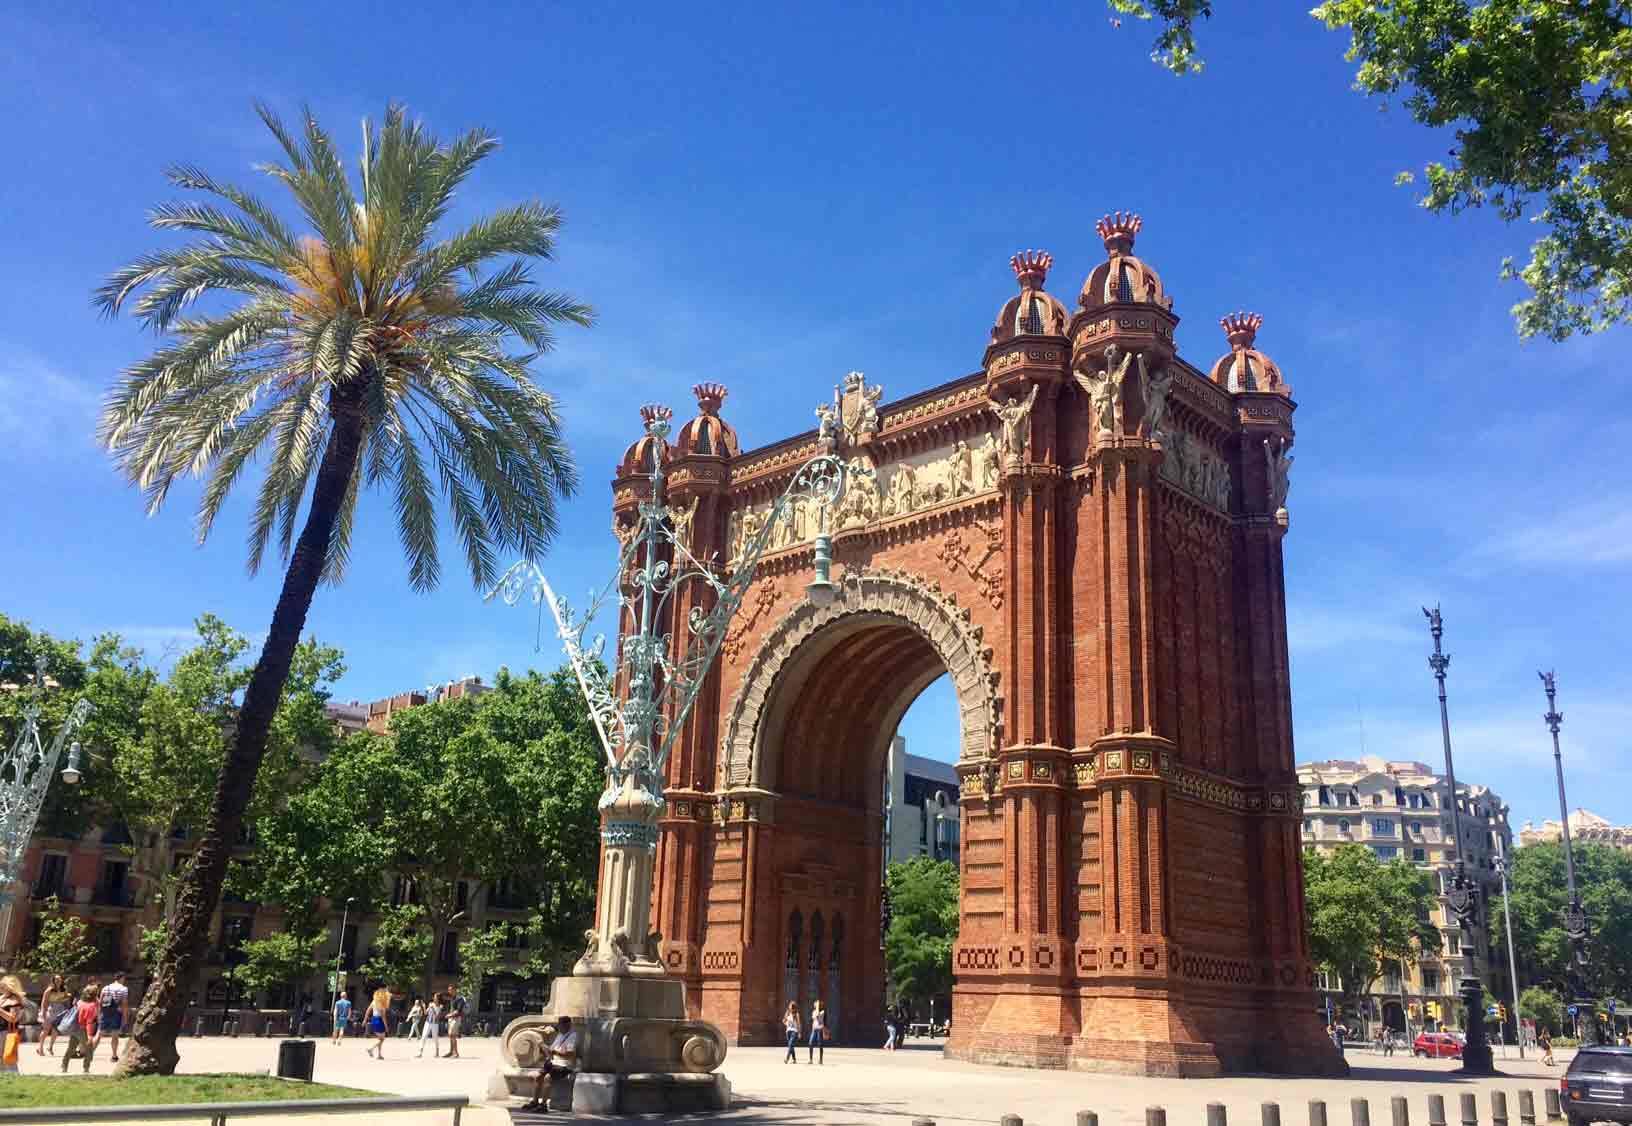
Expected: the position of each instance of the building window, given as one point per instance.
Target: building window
(1376, 799)
(1430, 980)
(1325, 796)
(1385, 852)
(1419, 855)
(1453, 944)
(1382, 826)
(1342, 824)
(1309, 826)
(1416, 828)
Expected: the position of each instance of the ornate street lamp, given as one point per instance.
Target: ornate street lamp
(1575, 916)
(1464, 895)
(659, 681)
(25, 775)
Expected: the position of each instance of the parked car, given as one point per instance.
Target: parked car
(1598, 1086)
(1437, 1045)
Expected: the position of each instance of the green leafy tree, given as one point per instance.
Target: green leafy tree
(1542, 1006)
(1364, 914)
(368, 351)
(481, 953)
(275, 961)
(64, 944)
(1538, 96)
(473, 790)
(1537, 897)
(401, 947)
(923, 926)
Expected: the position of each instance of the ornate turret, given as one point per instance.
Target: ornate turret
(1244, 368)
(637, 459)
(707, 435)
(1031, 312)
(1122, 279)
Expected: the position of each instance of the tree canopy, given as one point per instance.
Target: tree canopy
(1537, 893)
(1364, 914)
(1538, 97)
(923, 926)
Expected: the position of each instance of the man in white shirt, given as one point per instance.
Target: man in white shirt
(114, 1006)
(562, 1062)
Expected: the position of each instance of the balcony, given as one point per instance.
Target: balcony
(45, 889)
(121, 896)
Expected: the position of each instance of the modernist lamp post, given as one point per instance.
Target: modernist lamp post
(1575, 917)
(1507, 922)
(25, 776)
(1464, 895)
(638, 709)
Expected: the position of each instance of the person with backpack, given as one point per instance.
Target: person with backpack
(115, 1002)
(457, 1007)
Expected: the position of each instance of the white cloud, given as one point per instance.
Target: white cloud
(1313, 628)
(1595, 533)
(43, 411)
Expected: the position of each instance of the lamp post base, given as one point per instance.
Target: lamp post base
(1477, 1059)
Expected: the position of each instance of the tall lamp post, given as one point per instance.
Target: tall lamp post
(639, 709)
(1464, 896)
(25, 776)
(1575, 916)
(1507, 929)
(340, 952)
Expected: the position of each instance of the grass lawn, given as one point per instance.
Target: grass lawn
(159, 1090)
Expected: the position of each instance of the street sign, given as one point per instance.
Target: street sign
(1492, 1011)
(1574, 1011)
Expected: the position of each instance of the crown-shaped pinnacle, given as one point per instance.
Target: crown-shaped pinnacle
(1241, 329)
(655, 417)
(709, 396)
(1119, 229)
(1031, 267)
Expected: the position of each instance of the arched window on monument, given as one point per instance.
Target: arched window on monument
(815, 979)
(834, 992)
(790, 973)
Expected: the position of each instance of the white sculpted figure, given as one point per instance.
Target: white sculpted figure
(1154, 389)
(963, 469)
(1015, 415)
(826, 419)
(1104, 389)
(988, 460)
(1279, 467)
(869, 409)
(904, 489)
(683, 521)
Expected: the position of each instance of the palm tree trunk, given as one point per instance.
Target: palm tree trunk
(152, 1047)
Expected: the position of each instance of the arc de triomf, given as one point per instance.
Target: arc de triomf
(1086, 536)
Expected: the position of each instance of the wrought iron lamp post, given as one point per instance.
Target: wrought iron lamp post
(25, 776)
(660, 687)
(1575, 916)
(1464, 895)
(1507, 928)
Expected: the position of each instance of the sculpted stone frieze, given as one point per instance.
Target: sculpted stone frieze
(1192, 466)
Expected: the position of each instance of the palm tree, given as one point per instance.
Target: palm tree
(366, 352)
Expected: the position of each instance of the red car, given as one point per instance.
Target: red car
(1437, 1045)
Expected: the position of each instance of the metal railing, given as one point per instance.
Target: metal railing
(218, 1114)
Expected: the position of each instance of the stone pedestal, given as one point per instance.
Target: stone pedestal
(637, 1052)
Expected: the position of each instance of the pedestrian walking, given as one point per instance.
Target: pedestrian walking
(790, 1026)
(457, 1007)
(342, 1017)
(54, 1001)
(13, 1006)
(378, 1022)
(303, 1013)
(433, 1026)
(115, 1002)
(889, 1030)
(82, 1036)
(416, 1017)
(1545, 1043)
(818, 1033)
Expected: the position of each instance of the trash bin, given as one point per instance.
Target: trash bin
(296, 1059)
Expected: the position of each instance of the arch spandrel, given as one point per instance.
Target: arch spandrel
(928, 611)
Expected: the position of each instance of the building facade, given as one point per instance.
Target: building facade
(1586, 827)
(923, 806)
(1086, 536)
(1402, 811)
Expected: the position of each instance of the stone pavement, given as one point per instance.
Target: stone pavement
(867, 1087)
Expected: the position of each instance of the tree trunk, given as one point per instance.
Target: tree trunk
(152, 1048)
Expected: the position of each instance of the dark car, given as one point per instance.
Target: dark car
(1438, 1045)
(1598, 1086)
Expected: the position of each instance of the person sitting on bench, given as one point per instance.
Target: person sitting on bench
(562, 1062)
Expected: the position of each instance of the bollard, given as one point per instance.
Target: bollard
(1360, 1112)
(1155, 1116)
(1470, 1109)
(1011, 1120)
(1399, 1111)
(1498, 1108)
(1436, 1110)
(1317, 1112)
(1216, 1114)
(1554, 1112)
(1087, 1118)
(1527, 1108)
(1269, 1114)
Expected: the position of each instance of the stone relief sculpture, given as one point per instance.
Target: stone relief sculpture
(988, 460)
(903, 496)
(1104, 389)
(1015, 418)
(1279, 466)
(1191, 466)
(860, 504)
(1154, 390)
(963, 469)
(826, 421)
(683, 521)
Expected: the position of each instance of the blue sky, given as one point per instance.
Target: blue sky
(770, 196)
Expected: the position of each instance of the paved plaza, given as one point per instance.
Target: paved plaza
(866, 1087)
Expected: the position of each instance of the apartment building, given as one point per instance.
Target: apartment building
(1402, 810)
(923, 806)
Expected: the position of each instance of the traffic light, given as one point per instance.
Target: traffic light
(1414, 1009)
(1501, 1012)
(1433, 1010)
